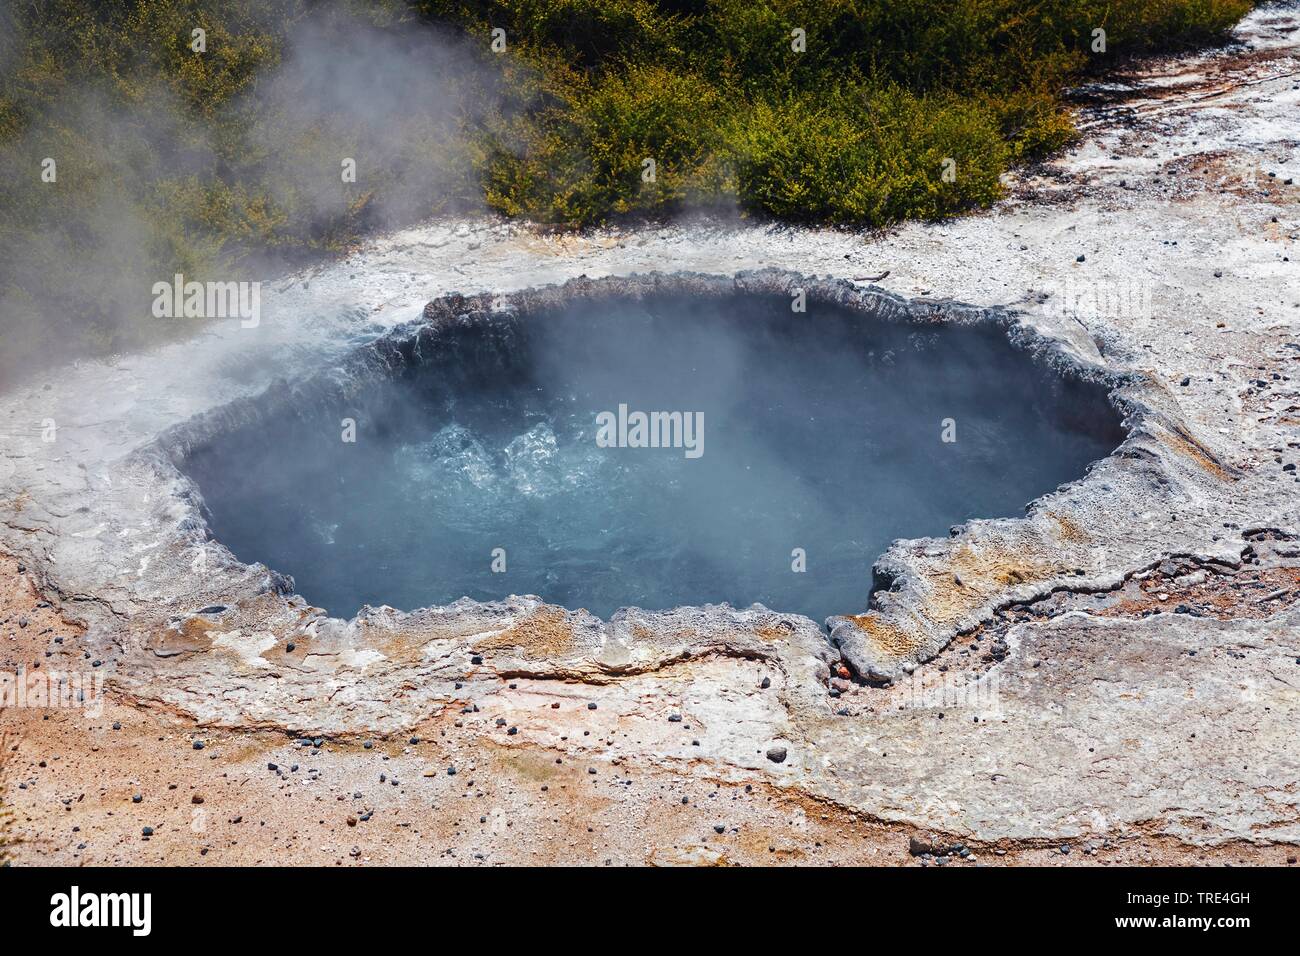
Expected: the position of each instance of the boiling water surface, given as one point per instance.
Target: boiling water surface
(823, 440)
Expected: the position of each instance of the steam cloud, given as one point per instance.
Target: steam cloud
(141, 178)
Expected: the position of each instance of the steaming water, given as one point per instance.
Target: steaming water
(822, 432)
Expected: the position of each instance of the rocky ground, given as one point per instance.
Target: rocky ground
(1114, 679)
(569, 786)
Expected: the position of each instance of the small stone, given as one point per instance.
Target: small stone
(147, 831)
(137, 798)
(917, 846)
(198, 745)
(776, 754)
(765, 683)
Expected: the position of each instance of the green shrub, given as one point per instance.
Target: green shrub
(852, 130)
(585, 159)
(173, 162)
(867, 156)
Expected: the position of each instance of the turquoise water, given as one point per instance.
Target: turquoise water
(822, 441)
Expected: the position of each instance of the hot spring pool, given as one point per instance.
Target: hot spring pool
(820, 437)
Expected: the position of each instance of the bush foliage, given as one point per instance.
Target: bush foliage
(172, 161)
